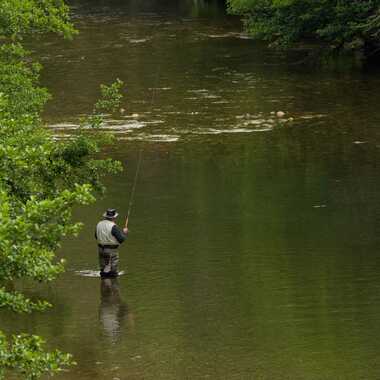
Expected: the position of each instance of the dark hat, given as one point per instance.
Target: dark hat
(110, 214)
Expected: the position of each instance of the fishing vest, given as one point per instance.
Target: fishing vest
(104, 233)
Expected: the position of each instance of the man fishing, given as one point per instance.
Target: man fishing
(109, 236)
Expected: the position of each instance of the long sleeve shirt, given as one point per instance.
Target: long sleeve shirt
(108, 233)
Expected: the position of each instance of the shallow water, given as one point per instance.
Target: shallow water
(254, 244)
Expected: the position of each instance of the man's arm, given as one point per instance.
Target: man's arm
(119, 234)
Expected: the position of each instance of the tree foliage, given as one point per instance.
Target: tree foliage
(22, 17)
(41, 180)
(27, 355)
(342, 24)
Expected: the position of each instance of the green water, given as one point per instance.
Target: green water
(254, 250)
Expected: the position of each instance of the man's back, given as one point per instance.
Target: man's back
(104, 233)
(109, 236)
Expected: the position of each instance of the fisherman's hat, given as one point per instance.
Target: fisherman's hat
(110, 214)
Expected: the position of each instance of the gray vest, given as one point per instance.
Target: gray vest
(103, 233)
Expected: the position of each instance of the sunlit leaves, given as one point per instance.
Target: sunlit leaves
(110, 98)
(26, 354)
(21, 17)
(18, 303)
(41, 179)
(19, 81)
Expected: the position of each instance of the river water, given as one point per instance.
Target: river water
(254, 250)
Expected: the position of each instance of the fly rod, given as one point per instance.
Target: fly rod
(133, 188)
(131, 199)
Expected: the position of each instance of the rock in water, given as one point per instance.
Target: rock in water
(280, 114)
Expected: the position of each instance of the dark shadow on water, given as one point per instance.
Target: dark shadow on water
(194, 8)
(114, 313)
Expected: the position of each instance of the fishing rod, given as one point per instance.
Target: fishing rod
(131, 199)
(133, 188)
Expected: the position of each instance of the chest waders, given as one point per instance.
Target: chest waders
(108, 261)
(107, 249)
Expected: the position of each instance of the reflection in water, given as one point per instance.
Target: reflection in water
(113, 311)
(297, 255)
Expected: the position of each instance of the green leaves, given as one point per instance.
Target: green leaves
(110, 98)
(21, 17)
(18, 303)
(19, 82)
(25, 354)
(41, 180)
(348, 25)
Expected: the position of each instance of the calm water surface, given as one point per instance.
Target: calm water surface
(254, 250)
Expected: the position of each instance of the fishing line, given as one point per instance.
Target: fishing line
(141, 153)
(134, 187)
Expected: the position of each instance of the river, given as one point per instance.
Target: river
(254, 247)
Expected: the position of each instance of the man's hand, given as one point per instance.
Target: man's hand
(125, 230)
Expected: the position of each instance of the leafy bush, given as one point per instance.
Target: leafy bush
(41, 180)
(343, 25)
